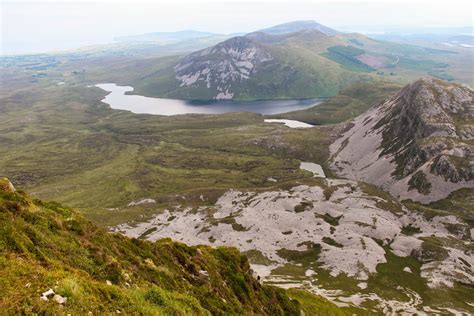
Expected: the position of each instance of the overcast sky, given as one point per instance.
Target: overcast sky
(35, 26)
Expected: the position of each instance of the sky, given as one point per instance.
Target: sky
(39, 26)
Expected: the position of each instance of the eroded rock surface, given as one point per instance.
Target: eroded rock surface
(336, 227)
(219, 67)
(417, 144)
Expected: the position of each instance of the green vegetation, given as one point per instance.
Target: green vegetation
(314, 305)
(419, 182)
(45, 245)
(333, 221)
(460, 202)
(332, 242)
(303, 206)
(349, 103)
(296, 256)
(420, 64)
(257, 257)
(410, 230)
(71, 148)
(391, 274)
(347, 57)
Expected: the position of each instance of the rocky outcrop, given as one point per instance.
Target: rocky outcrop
(219, 67)
(6, 185)
(445, 167)
(421, 138)
(339, 228)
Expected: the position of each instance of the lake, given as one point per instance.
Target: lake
(289, 123)
(118, 99)
(316, 169)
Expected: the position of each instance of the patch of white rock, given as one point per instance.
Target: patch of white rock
(293, 219)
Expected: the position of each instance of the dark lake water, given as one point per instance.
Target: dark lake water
(117, 99)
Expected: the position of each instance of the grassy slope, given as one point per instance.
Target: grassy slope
(349, 103)
(45, 245)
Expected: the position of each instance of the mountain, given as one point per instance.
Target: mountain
(345, 240)
(416, 144)
(296, 26)
(56, 262)
(220, 67)
(257, 66)
(304, 62)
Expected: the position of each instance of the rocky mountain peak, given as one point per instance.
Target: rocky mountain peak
(427, 108)
(440, 105)
(417, 144)
(235, 45)
(218, 67)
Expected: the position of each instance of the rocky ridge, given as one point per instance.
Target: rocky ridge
(417, 144)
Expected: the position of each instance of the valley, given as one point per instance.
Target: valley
(344, 179)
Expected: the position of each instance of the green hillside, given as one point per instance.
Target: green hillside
(349, 103)
(44, 245)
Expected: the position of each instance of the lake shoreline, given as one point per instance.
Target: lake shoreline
(119, 98)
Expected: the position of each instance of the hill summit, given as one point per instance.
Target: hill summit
(296, 26)
(416, 144)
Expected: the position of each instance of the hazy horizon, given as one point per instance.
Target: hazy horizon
(47, 26)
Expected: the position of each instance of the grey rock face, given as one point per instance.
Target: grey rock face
(426, 128)
(221, 67)
(443, 166)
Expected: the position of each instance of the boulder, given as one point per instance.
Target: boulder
(45, 296)
(59, 299)
(6, 185)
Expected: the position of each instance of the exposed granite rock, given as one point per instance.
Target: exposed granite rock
(427, 108)
(424, 132)
(219, 67)
(444, 166)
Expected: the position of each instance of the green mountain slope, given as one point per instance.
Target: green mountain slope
(254, 67)
(44, 245)
(304, 63)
